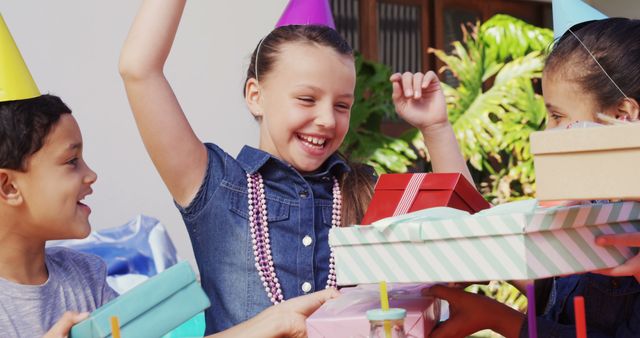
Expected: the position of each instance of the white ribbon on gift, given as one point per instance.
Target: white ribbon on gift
(431, 214)
(409, 194)
(413, 222)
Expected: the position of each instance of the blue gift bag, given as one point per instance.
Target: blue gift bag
(140, 247)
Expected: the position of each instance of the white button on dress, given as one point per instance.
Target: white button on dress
(306, 287)
(306, 241)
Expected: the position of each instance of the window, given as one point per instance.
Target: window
(345, 15)
(398, 32)
(399, 36)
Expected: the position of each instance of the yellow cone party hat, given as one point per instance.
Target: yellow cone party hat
(16, 82)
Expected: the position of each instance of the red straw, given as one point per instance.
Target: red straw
(581, 322)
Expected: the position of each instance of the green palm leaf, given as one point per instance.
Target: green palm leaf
(492, 114)
(506, 37)
(493, 106)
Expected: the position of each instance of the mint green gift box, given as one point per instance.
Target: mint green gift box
(151, 309)
(513, 241)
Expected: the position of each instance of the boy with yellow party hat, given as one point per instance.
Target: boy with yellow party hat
(43, 179)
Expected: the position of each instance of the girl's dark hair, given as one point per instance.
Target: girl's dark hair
(357, 189)
(357, 185)
(268, 49)
(614, 43)
(24, 126)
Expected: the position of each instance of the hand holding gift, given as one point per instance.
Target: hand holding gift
(632, 266)
(469, 313)
(284, 319)
(298, 309)
(63, 326)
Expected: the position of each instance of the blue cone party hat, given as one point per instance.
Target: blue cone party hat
(567, 13)
(307, 12)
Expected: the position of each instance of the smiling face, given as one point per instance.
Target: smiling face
(304, 104)
(55, 181)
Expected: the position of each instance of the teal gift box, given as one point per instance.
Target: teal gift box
(151, 309)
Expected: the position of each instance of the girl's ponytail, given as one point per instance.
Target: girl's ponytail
(357, 189)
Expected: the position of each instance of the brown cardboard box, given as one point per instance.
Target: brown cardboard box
(587, 163)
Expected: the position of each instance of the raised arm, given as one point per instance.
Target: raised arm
(176, 152)
(419, 100)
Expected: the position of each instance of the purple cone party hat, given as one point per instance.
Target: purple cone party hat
(307, 12)
(16, 82)
(567, 13)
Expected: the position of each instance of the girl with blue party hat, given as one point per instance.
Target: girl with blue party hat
(591, 75)
(259, 222)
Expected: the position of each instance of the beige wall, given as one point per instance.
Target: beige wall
(623, 8)
(72, 47)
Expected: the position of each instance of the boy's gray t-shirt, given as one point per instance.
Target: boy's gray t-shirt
(77, 282)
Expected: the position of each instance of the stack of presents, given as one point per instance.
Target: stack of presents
(422, 229)
(435, 228)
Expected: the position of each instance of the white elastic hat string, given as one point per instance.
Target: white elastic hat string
(258, 54)
(255, 70)
(598, 63)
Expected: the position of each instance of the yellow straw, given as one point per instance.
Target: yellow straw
(115, 327)
(384, 304)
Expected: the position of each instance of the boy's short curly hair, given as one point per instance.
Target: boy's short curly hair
(24, 126)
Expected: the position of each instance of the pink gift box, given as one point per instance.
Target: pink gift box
(346, 317)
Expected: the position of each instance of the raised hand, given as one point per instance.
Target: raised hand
(419, 99)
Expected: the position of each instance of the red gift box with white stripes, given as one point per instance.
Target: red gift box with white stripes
(397, 194)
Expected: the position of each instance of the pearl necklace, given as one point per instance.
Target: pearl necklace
(260, 236)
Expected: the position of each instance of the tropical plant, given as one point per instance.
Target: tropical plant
(502, 292)
(365, 141)
(493, 107)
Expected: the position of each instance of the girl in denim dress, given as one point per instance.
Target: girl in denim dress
(593, 68)
(259, 222)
